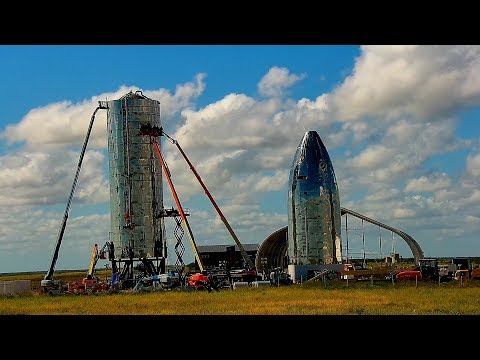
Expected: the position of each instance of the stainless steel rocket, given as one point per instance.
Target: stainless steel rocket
(314, 218)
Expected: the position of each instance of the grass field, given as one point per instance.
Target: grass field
(315, 298)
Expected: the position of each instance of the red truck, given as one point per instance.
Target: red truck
(409, 275)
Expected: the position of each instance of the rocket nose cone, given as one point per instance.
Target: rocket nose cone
(312, 136)
(312, 151)
(314, 144)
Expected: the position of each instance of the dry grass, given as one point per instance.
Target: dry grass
(311, 299)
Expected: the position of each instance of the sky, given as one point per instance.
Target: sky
(399, 122)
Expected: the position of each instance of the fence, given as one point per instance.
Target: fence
(15, 287)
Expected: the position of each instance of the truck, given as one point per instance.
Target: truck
(429, 269)
(459, 268)
(475, 274)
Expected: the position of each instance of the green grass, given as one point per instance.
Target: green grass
(316, 298)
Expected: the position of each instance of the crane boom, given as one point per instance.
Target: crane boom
(47, 280)
(93, 262)
(212, 200)
(179, 206)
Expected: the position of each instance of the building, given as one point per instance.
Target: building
(217, 255)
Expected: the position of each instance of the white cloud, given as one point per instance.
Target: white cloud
(383, 194)
(473, 165)
(171, 104)
(435, 182)
(403, 131)
(391, 156)
(276, 80)
(59, 125)
(445, 195)
(242, 146)
(65, 124)
(30, 234)
(372, 157)
(472, 219)
(474, 197)
(46, 178)
(230, 140)
(420, 80)
(403, 213)
(272, 183)
(360, 130)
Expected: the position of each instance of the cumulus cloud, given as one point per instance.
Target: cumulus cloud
(30, 234)
(435, 182)
(419, 80)
(276, 80)
(445, 195)
(46, 178)
(65, 124)
(372, 157)
(232, 142)
(472, 219)
(274, 182)
(381, 125)
(391, 155)
(473, 165)
(403, 131)
(171, 104)
(474, 198)
(403, 213)
(383, 194)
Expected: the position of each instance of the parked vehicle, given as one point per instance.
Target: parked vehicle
(409, 275)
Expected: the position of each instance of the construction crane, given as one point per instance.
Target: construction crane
(153, 133)
(245, 256)
(48, 284)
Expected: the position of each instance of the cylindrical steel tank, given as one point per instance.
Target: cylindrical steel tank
(314, 217)
(136, 193)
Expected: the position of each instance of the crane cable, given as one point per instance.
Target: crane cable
(245, 256)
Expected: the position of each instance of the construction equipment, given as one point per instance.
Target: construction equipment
(278, 277)
(154, 132)
(476, 274)
(409, 275)
(462, 263)
(461, 274)
(459, 268)
(201, 281)
(89, 280)
(429, 268)
(48, 284)
(245, 256)
(78, 287)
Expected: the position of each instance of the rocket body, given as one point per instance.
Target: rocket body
(314, 218)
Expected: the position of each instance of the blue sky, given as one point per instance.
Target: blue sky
(399, 122)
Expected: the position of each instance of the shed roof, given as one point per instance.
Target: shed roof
(223, 248)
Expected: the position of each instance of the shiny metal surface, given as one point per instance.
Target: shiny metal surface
(314, 218)
(136, 195)
(272, 252)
